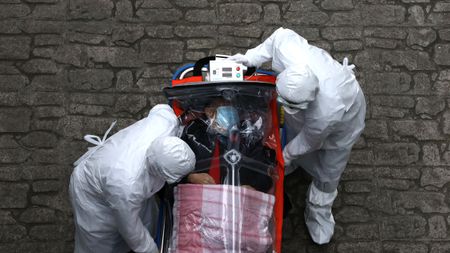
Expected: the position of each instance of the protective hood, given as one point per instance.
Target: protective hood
(297, 87)
(170, 158)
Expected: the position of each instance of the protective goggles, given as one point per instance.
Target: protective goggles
(292, 106)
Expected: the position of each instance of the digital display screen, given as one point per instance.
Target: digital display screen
(227, 74)
(227, 69)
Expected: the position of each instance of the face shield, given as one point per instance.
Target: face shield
(291, 108)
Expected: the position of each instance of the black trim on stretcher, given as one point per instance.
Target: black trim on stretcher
(204, 89)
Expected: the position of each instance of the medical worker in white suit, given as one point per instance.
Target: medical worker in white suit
(324, 113)
(112, 185)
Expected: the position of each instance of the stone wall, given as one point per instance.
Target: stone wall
(71, 67)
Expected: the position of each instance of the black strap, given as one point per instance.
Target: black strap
(200, 63)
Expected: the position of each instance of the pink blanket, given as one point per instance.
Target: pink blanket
(221, 218)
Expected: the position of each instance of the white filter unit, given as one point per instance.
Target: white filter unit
(225, 70)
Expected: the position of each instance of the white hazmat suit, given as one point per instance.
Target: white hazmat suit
(325, 110)
(112, 185)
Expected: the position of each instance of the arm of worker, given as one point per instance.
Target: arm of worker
(314, 132)
(284, 47)
(255, 57)
(309, 139)
(260, 54)
(163, 121)
(263, 52)
(126, 203)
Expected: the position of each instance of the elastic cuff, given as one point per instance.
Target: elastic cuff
(250, 58)
(327, 187)
(152, 248)
(287, 156)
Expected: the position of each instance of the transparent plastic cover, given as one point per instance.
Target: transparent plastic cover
(226, 204)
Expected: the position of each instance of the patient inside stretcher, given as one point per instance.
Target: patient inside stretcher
(221, 127)
(205, 217)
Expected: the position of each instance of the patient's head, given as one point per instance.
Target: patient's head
(222, 116)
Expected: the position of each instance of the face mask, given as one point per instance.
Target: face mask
(225, 120)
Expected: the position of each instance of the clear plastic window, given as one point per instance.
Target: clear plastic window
(232, 136)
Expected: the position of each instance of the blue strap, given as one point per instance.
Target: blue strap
(266, 72)
(283, 136)
(181, 69)
(159, 228)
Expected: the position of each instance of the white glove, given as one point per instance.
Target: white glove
(287, 161)
(242, 59)
(288, 166)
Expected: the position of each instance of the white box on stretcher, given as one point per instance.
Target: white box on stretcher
(225, 70)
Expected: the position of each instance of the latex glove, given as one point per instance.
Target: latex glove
(288, 166)
(155, 250)
(242, 59)
(200, 178)
(286, 158)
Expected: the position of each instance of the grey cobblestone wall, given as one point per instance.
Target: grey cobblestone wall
(70, 67)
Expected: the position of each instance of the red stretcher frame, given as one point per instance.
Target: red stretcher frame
(214, 168)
